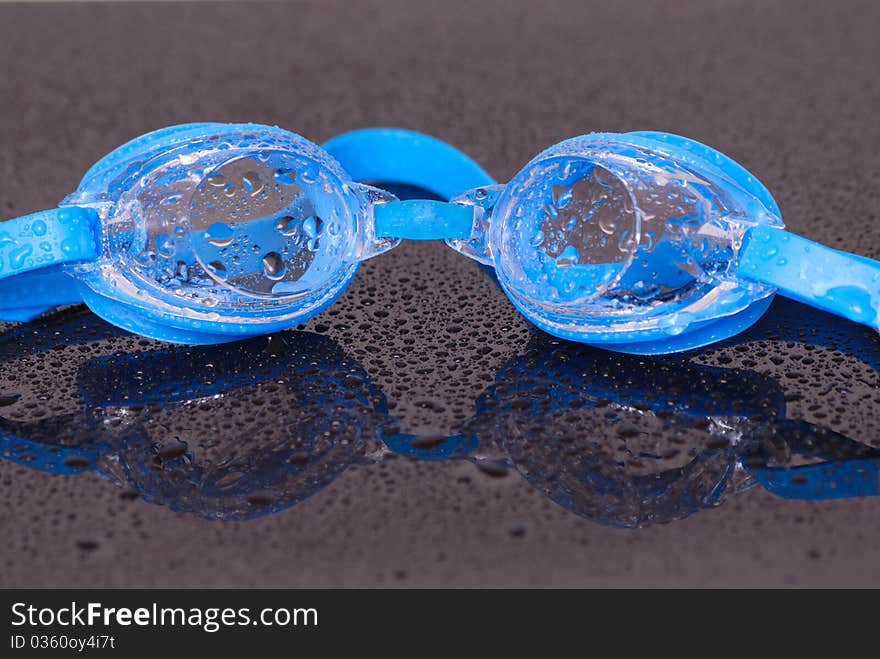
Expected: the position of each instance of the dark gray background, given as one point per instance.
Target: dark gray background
(787, 88)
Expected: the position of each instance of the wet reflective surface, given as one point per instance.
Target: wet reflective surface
(228, 432)
(420, 432)
(240, 431)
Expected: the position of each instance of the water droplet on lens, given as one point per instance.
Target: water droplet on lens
(286, 176)
(562, 196)
(313, 225)
(287, 225)
(273, 265)
(607, 225)
(219, 234)
(568, 256)
(164, 245)
(252, 183)
(218, 270)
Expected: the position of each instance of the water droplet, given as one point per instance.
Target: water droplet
(312, 225)
(273, 265)
(261, 499)
(627, 243)
(492, 468)
(569, 256)
(172, 450)
(287, 225)
(164, 245)
(219, 234)
(607, 225)
(77, 462)
(562, 196)
(182, 271)
(39, 228)
(8, 399)
(286, 176)
(18, 255)
(218, 270)
(252, 183)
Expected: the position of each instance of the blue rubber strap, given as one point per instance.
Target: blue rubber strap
(31, 250)
(396, 155)
(423, 219)
(844, 284)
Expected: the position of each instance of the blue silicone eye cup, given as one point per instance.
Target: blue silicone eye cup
(639, 242)
(626, 241)
(202, 233)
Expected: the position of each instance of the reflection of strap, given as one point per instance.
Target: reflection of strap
(178, 374)
(45, 446)
(172, 376)
(430, 447)
(826, 480)
(31, 249)
(842, 283)
(848, 468)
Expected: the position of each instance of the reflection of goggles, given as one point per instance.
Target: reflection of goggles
(629, 442)
(638, 242)
(569, 417)
(302, 429)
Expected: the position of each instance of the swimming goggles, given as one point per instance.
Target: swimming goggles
(204, 233)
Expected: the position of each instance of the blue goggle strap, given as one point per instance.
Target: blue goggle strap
(845, 284)
(32, 250)
(397, 156)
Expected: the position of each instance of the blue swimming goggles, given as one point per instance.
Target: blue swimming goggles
(637, 242)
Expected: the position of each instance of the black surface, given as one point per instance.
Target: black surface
(786, 88)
